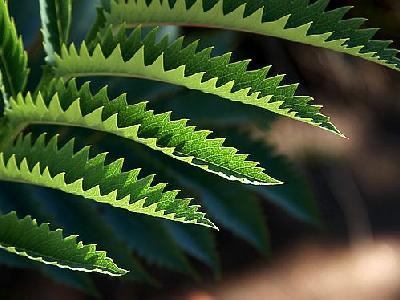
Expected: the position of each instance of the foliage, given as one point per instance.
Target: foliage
(126, 209)
(14, 60)
(295, 20)
(26, 238)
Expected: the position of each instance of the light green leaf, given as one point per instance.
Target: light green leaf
(45, 164)
(197, 241)
(76, 214)
(13, 58)
(37, 242)
(230, 203)
(116, 54)
(62, 104)
(294, 20)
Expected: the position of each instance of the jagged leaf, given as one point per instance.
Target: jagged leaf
(294, 20)
(295, 196)
(200, 244)
(68, 105)
(37, 242)
(13, 58)
(142, 57)
(75, 214)
(45, 164)
(230, 204)
(56, 22)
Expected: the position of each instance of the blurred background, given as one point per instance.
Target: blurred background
(333, 232)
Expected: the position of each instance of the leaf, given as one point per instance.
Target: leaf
(134, 56)
(37, 242)
(294, 20)
(13, 58)
(147, 237)
(56, 22)
(230, 203)
(295, 197)
(68, 105)
(200, 244)
(45, 164)
(75, 214)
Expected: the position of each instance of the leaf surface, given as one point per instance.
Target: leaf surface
(294, 20)
(119, 54)
(37, 242)
(46, 164)
(13, 58)
(67, 105)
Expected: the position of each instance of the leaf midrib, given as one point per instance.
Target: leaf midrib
(178, 155)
